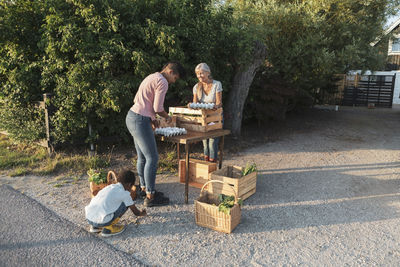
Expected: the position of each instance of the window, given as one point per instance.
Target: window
(396, 45)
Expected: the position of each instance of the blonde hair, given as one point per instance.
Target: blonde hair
(200, 89)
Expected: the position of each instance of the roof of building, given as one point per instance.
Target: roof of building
(387, 31)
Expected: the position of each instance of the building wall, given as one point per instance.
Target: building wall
(393, 62)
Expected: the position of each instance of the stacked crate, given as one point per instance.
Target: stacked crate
(244, 186)
(197, 120)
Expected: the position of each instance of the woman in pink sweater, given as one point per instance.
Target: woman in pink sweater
(148, 102)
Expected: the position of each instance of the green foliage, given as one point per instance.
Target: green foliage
(93, 55)
(308, 42)
(249, 169)
(20, 62)
(96, 176)
(99, 162)
(226, 203)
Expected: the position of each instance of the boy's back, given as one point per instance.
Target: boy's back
(102, 207)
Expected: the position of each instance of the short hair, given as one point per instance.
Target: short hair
(177, 68)
(126, 177)
(203, 66)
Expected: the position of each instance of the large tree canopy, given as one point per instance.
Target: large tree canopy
(92, 55)
(308, 42)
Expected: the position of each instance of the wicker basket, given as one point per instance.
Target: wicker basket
(111, 179)
(95, 188)
(208, 215)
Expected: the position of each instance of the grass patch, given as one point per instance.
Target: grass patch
(168, 163)
(14, 155)
(18, 171)
(22, 159)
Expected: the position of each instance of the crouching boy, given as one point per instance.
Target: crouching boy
(107, 207)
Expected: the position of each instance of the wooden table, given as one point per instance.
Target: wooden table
(194, 137)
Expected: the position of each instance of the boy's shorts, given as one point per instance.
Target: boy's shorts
(118, 213)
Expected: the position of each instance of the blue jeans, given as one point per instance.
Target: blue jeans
(146, 148)
(118, 213)
(210, 147)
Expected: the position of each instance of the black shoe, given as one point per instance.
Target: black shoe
(158, 200)
(142, 194)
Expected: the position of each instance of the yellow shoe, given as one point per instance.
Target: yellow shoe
(112, 229)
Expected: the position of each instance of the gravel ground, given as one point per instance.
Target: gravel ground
(327, 194)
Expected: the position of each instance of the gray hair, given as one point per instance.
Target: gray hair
(203, 66)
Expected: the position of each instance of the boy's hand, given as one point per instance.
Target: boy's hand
(143, 213)
(133, 192)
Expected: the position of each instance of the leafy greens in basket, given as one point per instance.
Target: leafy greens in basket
(226, 203)
(249, 169)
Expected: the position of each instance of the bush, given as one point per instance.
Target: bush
(93, 55)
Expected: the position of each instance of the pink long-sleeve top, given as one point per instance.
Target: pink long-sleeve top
(150, 97)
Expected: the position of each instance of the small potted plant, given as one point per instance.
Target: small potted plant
(98, 180)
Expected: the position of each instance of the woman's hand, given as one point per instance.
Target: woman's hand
(188, 105)
(217, 106)
(155, 124)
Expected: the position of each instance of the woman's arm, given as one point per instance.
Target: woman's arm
(218, 100)
(194, 96)
(165, 115)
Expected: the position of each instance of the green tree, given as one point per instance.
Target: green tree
(307, 42)
(92, 56)
(20, 69)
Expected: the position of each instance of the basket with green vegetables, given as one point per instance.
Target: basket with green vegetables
(226, 203)
(97, 177)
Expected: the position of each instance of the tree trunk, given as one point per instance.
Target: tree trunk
(241, 83)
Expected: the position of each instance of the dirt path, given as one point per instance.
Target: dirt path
(327, 193)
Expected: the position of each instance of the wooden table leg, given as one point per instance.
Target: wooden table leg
(221, 152)
(187, 147)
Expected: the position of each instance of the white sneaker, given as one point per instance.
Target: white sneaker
(93, 229)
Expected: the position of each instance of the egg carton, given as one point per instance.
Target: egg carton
(170, 131)
(202, 105)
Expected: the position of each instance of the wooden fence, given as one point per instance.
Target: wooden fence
(361, 90)
(49, 109)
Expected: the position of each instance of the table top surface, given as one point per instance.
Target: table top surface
(193, 137)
